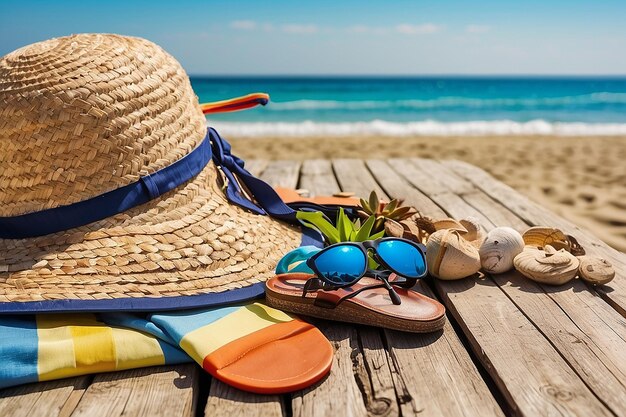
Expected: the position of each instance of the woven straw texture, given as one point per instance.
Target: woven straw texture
(86, 114)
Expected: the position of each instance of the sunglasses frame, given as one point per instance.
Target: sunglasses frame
(365, 247)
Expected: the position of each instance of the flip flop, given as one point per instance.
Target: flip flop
(247, 346)
(290, 196)
(370, 306)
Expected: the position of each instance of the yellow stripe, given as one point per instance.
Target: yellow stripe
(72, 345)
(55, 356)
(248, 319)
(135, 349)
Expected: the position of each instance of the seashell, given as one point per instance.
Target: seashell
(501, 245)
(449, 224)
(393, 228)
(540, 236)
(595, 270)
(547, 266)
(450, 256)
(475, 233)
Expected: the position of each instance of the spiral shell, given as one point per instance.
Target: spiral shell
(547, 266)
(475, 233)
(540, 236)
(594, 270)
(499, 248)
(450, 256)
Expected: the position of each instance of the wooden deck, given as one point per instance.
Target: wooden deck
(510, 347)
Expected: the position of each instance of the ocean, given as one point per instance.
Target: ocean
(399, 106)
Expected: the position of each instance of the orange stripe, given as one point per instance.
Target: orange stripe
(235, 104)
(231, 352)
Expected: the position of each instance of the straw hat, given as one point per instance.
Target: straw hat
(83, 115)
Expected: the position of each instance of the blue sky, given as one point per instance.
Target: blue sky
(348, 37)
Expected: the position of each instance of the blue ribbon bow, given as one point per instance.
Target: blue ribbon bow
(268, 200)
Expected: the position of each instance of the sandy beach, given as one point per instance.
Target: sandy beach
(581, 178)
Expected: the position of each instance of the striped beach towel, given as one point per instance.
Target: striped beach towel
(52, 346)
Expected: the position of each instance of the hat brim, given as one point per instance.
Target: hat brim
(189, 248)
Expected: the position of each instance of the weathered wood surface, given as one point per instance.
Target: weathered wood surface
(511, 346)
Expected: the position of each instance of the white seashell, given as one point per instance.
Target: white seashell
(500, 247)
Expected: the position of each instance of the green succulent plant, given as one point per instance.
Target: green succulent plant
(381, 210)
(345, 230)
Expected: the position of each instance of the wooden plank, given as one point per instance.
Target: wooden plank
(282, 174)
(589, 334)
(534, 214)
(396, 185)
(531, 375)
(256, 166)
(434, 186)
(586, 331)
(512, 360)
(413, 393)
(226, 401)
(155, 391)
(317, 174)
(435, 375)
(370, 366)
(338, 394)
(353, 176)
(53, 398)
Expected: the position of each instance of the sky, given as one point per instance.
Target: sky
(349, 37)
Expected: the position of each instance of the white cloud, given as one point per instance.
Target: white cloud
(423, 29)
(300, 29)
(477, 28)
(243, 24)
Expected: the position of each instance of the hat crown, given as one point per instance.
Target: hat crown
(85, 114)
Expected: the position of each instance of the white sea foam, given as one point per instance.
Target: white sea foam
(421, 128)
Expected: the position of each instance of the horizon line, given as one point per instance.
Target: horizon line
(279, 75)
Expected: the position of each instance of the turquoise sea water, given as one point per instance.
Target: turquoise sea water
(424, 105)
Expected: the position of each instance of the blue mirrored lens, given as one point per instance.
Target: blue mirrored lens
(404, 258)
(341, 264)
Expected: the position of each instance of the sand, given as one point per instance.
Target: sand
(581, 178)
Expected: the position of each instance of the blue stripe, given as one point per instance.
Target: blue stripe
(108, 204)
(178, 324)
(19, 356)
(172, 354)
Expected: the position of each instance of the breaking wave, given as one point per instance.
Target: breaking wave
(420, 128)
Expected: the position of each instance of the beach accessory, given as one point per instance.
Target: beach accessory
(103, 134)
(366, 302)
(595, 270)
(450, 255)
(343, 264)
(547, 265)
(295, 260)
(241, 345)
(501, 245)
(329, 206)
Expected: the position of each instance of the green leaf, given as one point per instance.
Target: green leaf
(400, 212)
(316, 220)
(344, 225)
(391, 206)
(373, 202)
(377, 235)
(364, 205)
(364, 232)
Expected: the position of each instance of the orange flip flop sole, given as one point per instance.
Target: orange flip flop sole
(256, 362)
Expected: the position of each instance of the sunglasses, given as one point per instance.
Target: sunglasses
(343, 264)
